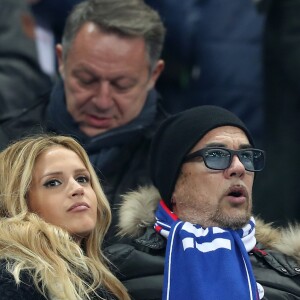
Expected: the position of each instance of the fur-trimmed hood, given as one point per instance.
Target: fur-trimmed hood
(138, 212)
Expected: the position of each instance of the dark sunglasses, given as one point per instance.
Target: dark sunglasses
(221, 158)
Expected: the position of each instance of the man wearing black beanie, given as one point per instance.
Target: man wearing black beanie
(178, 135)
(194, 233)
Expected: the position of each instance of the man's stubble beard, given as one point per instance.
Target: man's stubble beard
(234, 222)
(217, 218)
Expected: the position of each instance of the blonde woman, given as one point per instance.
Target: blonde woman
(53, 217)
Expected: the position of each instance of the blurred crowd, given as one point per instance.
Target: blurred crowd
(241, 55)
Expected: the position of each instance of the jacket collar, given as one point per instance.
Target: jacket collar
(60, 121)
(137, 212)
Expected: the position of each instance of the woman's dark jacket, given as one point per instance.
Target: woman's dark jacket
(26, 290)
(140, 266)
(9, 290)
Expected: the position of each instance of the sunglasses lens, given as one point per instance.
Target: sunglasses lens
(217, 159)
(221, 158)
(252, 159)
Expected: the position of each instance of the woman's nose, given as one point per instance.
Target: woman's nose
(76, 189)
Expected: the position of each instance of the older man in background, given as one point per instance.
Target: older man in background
(109, 62)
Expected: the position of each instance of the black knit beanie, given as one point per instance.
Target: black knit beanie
(177, 135)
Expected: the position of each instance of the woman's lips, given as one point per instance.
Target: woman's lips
(80, 206)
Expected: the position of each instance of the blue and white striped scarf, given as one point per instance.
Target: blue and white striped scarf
(211, 263)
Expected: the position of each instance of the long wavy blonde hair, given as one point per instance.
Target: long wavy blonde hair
(58, 265)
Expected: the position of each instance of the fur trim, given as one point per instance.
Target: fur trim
(138, 209)
(266, 234)
(290, 241)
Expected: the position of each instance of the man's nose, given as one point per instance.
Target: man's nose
(102, 98)
(236, 168)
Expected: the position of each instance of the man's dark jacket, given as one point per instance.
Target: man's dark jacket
(21, 77)
(140, 266)
(120, 156)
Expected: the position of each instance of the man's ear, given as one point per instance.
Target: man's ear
(59, 55)
(173, 204)
(173, 200)
(160, 65)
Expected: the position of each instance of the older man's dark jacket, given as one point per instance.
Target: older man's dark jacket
(120, 156)
(140, 266)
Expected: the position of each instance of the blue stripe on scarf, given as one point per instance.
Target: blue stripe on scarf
(209, 263)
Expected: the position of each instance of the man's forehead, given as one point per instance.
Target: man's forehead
(220, 136)
(92, 29)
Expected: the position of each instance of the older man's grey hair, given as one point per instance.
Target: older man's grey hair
(125, 18)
